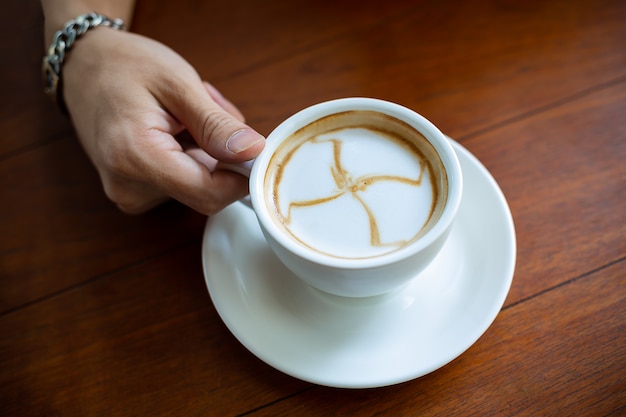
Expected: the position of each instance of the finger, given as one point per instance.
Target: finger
(218, 132)
(185, 175)
(193, 184)
(204, 158)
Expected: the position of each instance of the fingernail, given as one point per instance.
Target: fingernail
(241, 140)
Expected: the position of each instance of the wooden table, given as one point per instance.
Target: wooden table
(107, 314)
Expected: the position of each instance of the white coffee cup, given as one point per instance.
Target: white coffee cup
(339, 185)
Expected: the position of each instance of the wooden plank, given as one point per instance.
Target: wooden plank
(58, 229)
(147, 341)
(143, 341)
(223, 38)
(564, 175)
(464, 65)
(561, 353)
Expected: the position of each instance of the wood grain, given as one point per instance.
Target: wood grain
(59, 229)
(466, 67)
(524, 365)
(107, 314)
(92, 349)
(563, 174)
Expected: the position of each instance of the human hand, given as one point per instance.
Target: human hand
(128, 97)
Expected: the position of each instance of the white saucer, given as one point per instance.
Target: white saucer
(378, 341)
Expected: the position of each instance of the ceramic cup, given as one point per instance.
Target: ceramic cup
(355, 196)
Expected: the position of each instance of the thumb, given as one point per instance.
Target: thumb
(220, 133)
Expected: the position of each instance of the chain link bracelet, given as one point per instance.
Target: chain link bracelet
(61, 44)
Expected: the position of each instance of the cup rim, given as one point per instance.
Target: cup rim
(309, 114)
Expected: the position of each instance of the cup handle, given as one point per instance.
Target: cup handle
(241, 168)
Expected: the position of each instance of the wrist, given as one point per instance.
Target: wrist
(62, 42)
(58, 13)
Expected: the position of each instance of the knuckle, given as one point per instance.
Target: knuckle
(208, 204)
(208, 207)
(115, 156)
(125, 198)
(228, 188)
(214, 123)
(117, 198)
(116, 191)
(119, 147)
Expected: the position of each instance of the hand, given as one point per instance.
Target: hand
(128, 97)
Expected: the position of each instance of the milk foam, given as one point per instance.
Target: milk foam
(354, 192)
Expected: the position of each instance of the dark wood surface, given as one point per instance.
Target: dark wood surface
(107, 314)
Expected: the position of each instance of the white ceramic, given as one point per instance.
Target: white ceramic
(357, 277)
(365, 342)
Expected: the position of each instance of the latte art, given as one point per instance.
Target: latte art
(355, 185)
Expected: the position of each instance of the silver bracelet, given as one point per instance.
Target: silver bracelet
(61, 44)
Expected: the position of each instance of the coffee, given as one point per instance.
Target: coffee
(356, 184)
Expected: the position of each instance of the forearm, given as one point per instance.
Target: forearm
(59, 12)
